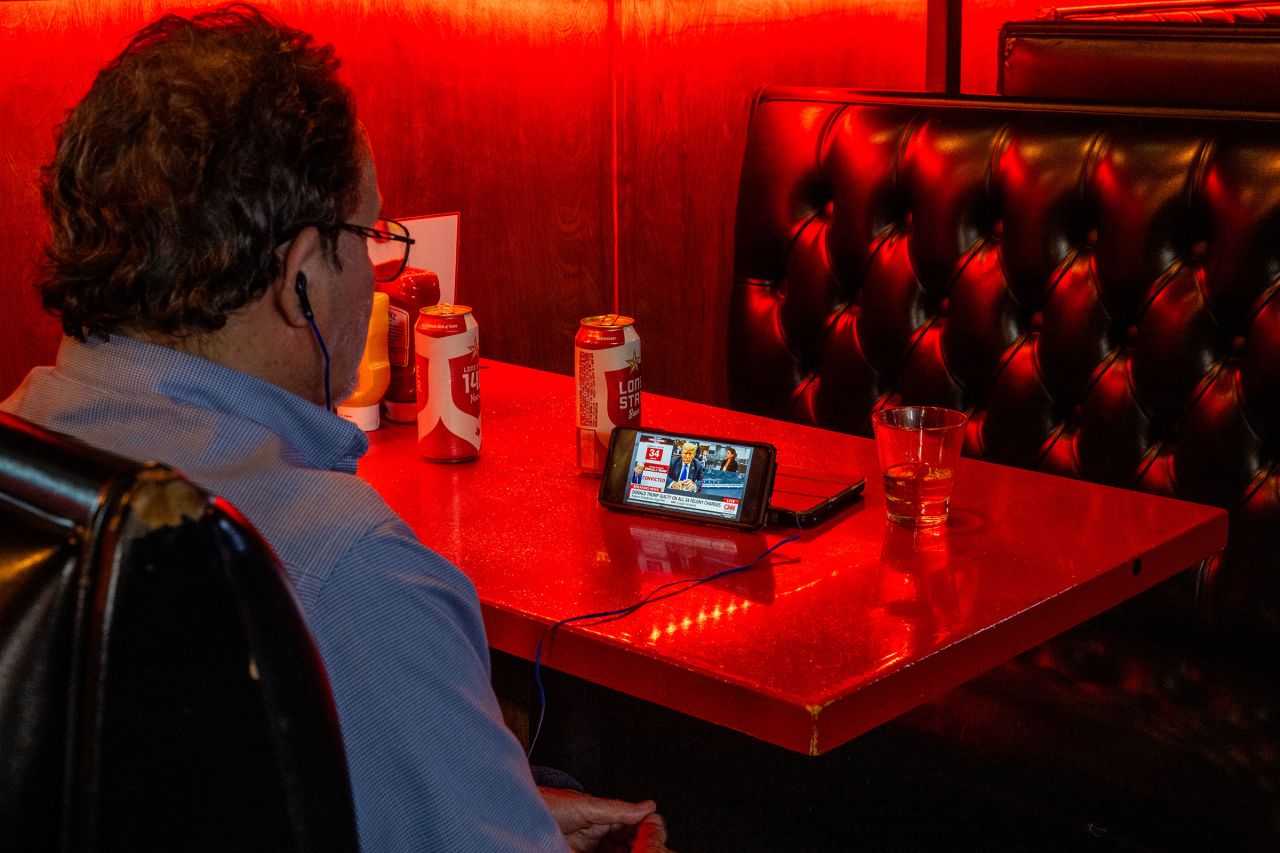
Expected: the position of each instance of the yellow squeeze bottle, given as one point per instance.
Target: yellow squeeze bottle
(361, 408)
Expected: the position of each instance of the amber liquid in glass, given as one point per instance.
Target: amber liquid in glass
(917, 493)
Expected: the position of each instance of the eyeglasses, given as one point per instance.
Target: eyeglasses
(387, 231)
(387, 263)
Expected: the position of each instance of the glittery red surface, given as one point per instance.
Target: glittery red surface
(832, 635)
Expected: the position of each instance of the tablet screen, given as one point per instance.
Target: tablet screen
(688, 475)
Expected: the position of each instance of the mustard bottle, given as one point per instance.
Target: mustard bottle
(361, 408)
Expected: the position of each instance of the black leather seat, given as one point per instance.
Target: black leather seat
(1097, 286)
(158, 687)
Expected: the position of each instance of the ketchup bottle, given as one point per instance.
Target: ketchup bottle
(414, 290)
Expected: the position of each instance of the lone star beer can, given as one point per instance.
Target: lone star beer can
(606, 366)
(447, 352)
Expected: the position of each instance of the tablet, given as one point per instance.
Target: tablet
(709, 479)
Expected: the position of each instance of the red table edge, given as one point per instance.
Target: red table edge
(816, 729)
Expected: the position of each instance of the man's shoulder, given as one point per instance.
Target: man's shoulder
(304, 511)
(311, 515)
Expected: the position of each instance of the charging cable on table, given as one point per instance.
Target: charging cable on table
(609, 615)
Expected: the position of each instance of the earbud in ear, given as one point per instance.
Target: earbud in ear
(300, 285)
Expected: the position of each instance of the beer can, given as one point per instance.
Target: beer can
(447, 352)
(606, 366)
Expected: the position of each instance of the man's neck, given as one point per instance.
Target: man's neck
(243, 345)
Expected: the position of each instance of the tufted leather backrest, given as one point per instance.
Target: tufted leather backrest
(1096, 286)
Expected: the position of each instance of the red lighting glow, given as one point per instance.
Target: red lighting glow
(592, 148)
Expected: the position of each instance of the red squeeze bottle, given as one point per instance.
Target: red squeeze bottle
(412, 291)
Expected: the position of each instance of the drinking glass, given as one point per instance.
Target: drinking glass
(919, 447)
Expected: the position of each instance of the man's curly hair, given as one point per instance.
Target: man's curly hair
(203, 146)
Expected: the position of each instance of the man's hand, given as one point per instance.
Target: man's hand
(650, 836)
(595, 825)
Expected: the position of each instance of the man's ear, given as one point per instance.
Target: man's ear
(302, 264)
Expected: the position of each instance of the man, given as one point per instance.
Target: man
(685, 473)
(210, 199)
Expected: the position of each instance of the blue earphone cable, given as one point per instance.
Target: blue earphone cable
(328, 401)
(684, 585)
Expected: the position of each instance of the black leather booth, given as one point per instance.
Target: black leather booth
(1214, 65)
(1099, 288)
(159, 690)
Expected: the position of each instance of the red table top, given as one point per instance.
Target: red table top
(855, 623)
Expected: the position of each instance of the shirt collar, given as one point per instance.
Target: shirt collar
(134, 367)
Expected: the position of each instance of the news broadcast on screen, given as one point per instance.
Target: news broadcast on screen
(686, 475)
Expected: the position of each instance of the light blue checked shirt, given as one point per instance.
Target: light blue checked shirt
(433, 767)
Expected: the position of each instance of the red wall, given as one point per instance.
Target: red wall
(687, 72)
(592, 148)
(980, 38)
